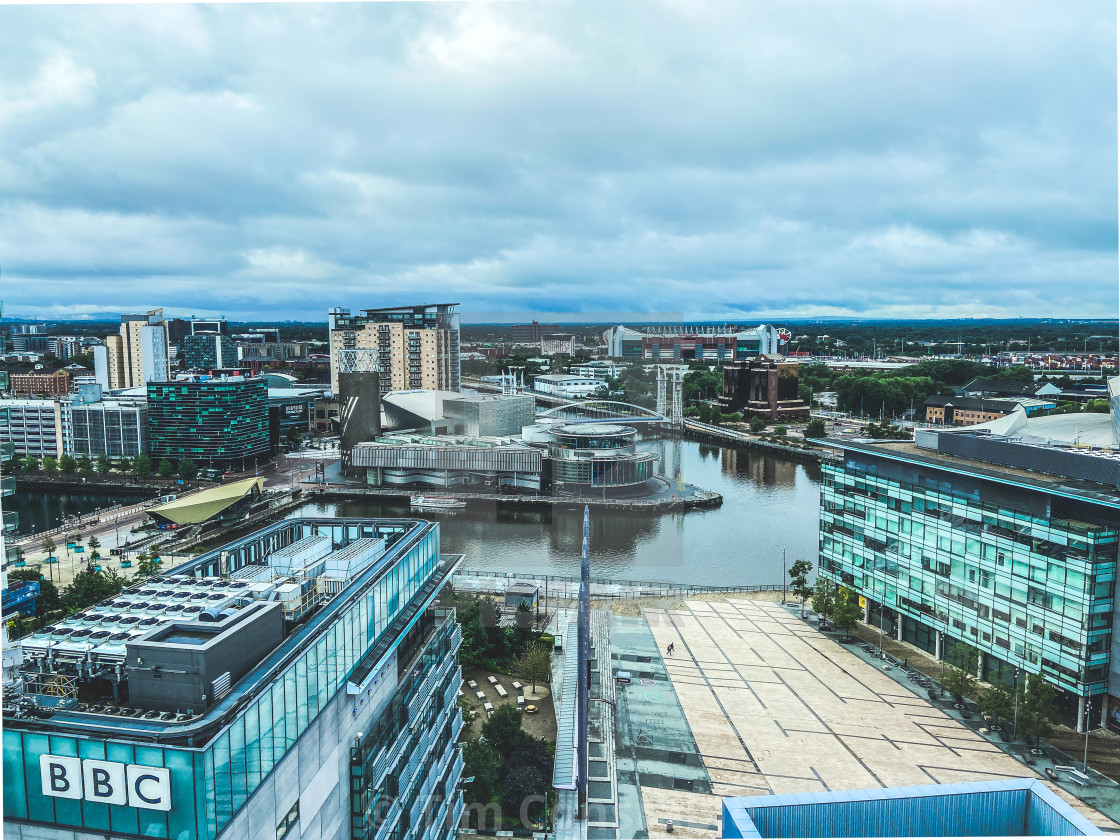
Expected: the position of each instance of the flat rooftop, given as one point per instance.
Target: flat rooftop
(176, 605)
(908, 451)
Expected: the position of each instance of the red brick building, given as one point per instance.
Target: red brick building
(55, 384)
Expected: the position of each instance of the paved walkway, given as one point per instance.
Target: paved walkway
(1104, 746)
(776, 707)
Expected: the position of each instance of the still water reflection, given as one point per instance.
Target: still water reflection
(768, 505)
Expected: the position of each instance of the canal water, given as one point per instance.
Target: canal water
(769, 505)
(41, 511)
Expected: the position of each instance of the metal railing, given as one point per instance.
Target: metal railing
(562, 582)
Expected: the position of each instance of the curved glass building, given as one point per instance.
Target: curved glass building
(589, 457)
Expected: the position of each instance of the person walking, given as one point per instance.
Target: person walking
(669, 650)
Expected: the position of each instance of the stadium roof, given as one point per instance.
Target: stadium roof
(198, 507)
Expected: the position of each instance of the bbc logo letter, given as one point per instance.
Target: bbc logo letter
(109, 782)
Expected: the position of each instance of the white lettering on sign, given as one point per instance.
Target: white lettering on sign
(110, 782)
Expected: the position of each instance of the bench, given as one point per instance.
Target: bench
(480, 696)
(461, 693)
(520, 700)
(501, 691)
(1074, 774)
(517, 686)
(473, 685)
(492, 680)
(488, 707)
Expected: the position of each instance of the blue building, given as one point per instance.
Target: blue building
(296, 682)
(1005, 808)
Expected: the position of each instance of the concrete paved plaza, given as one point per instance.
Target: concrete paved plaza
(775, 707)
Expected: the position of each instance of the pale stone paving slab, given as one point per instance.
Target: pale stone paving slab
(774, 706)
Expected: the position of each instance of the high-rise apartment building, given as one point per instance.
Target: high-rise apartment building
(139, 355)
(299, 682)
(994, 537)
(207, 351)
(418, 346)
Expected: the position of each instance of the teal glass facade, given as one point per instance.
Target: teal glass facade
(215, 423)
(1025, 575)
(388, 616)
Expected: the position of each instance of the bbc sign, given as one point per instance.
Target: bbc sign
(110, 782)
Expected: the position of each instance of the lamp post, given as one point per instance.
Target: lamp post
(1088, 728)
(881, 629)
(1015, 719)
(941, 634)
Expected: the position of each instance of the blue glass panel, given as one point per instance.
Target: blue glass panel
(264, 712)
(15, 795)
(237, 763)
(181, 819)
(252, 748)
(211, 825)
(222, 780)
(301, 695)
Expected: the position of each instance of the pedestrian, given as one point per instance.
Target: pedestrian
(669, 650)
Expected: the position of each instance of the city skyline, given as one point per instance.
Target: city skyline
(713, 161)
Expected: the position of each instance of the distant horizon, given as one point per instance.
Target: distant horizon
(554, 318)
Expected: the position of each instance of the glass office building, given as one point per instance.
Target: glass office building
(334, 715)
(221, 423)
(1019, 565)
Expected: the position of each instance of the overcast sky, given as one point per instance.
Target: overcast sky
(730, 160)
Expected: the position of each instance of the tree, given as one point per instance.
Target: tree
(757, 424)
(67, 465)
(965, 656)
(142, 466)
(523, 794)
(49, 546)
(125, 465)
(145, 565)
(90, 587)
(165, 469)
(188, 469)
(780, 430)
(534, 666)
(846, 612)
(998, 704)
(1037, 715)
(799, 581)
(824, 600)
(483, 762)
(958, 681)
(29, 464)
(94, 544)
(815, 428)
(503, 729)
(85, 466)
(294, 436)
(50, 465)
(104, 464)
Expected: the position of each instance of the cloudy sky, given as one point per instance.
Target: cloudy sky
(731, 160)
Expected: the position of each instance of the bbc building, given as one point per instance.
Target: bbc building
(299, 682)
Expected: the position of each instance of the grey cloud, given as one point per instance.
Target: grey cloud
(851, 158)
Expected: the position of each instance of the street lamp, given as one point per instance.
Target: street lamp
(1015, 718)
(941, 634)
